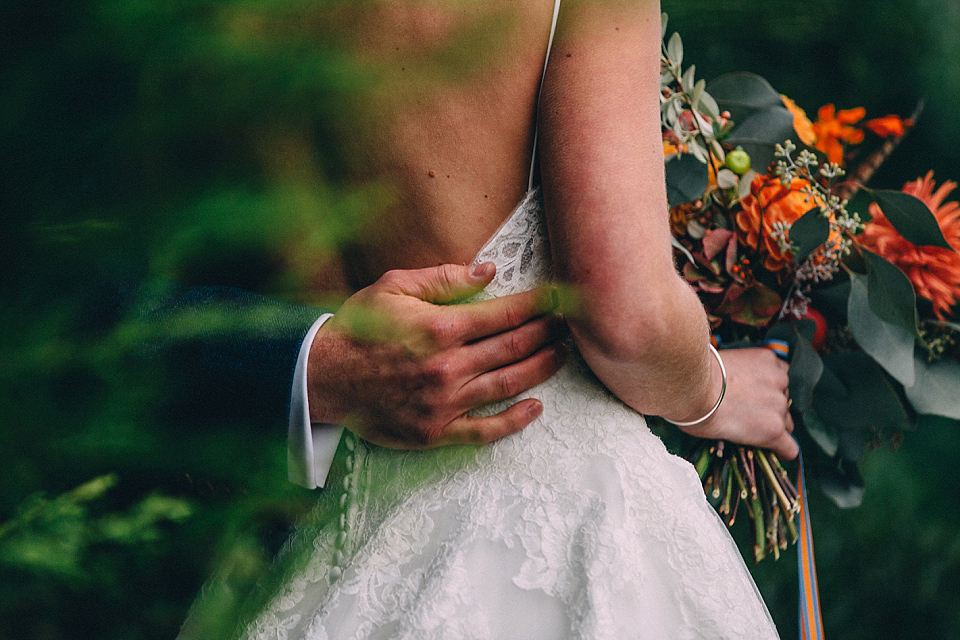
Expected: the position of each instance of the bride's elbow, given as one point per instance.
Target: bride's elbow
(638, 328)
(621, 336)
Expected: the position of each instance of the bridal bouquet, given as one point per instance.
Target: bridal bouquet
(775, 229)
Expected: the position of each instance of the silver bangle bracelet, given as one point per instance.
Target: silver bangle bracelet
(723, 390)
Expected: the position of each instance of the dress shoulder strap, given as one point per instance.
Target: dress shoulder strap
(546, 59)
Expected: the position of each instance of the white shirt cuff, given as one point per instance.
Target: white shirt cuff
(310, 448)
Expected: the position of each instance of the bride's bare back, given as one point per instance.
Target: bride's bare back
(446, 127)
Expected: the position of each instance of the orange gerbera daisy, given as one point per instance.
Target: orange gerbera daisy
(934, 271)
(835, 128)
(768, 212)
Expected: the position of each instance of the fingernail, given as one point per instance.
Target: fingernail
(535, 409)
(481, 270)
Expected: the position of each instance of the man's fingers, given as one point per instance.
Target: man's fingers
(489, 317)
(510, 346)
(441, 284)
(506, 382)
(474, 430)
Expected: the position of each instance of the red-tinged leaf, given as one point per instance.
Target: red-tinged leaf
(715, 241)
(731, 253)
(710, 287)
(753, 306)
(733, 302)
(764, 301)
(692, 274)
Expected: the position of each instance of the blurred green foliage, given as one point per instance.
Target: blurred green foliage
(200, 141)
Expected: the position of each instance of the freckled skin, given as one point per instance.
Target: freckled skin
(455, 96)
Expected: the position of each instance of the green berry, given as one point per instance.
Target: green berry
(738, 161)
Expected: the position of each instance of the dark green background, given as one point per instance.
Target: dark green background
(139, 140)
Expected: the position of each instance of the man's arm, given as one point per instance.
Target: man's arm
(398, 364)
(224, 354)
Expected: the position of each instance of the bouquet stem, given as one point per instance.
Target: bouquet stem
(730, 476)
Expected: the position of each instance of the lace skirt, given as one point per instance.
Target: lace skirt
(580, 526)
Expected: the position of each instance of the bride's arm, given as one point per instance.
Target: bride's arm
(641, 329)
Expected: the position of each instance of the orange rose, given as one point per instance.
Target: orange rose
(934, 271)
(767, 214)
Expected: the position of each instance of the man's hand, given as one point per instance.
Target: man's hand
(755, 410)
(399, 368)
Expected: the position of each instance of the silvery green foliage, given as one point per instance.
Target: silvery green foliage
(686, 109)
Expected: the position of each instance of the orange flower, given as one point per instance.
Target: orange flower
(934, 271)
(835, 128)
(681, 215)
(888, 126)
(768, 212)
(801, 123)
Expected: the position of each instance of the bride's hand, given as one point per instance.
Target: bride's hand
(755, 410)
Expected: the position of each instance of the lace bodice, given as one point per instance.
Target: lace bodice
(520, 248)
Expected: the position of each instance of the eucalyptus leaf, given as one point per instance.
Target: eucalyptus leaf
(746, 180)
(699, 152)
(823, 434)
(806, 368)
(851, 445)
(911, 217)
(853, 393)
(688, 80)
(890, 345)
(675, 49)
(743, 93)
(682, 249)
(697, 93)
(717, 150)
(843, 484)
(808, 233)
(771, 125)
(687, 179)
(726, 179)
(890, 293)
(928, 421)
(937, 387)
(833, 300)
(709, 106)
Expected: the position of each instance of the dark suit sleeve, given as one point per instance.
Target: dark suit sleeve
(218, 354)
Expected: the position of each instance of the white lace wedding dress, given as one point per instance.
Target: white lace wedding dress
(580, 526)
